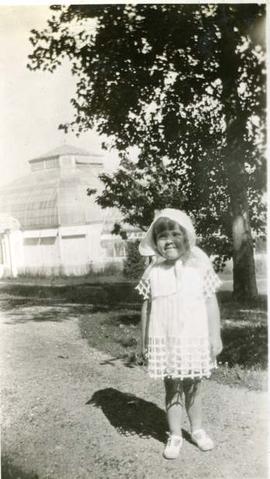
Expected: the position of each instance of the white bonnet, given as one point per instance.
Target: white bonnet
(147, 246)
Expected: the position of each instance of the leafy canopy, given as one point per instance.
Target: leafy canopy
(183, 86)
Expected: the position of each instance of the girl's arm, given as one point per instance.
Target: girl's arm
(214, 325)
(144, 324)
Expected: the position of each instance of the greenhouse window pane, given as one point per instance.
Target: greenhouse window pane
(52, 163)
(37, 166)
(31, 241)
(48, 240)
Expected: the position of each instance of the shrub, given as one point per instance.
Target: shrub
(134, 263)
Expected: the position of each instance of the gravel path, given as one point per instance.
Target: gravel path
(68, 412)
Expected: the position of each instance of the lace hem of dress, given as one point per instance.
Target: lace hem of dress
(179, 357)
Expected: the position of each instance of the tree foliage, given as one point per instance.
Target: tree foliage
(184, 86)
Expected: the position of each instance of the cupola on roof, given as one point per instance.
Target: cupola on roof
(55, 192)
(67, 150)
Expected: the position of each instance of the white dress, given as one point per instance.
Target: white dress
(178, 339)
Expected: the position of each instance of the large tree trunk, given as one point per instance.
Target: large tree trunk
(244, 279)
(244, 276)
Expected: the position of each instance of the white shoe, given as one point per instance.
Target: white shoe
(173, 446)
(202, 440)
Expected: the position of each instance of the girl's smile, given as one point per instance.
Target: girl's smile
(171, 242)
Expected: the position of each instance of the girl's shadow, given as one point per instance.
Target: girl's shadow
(132, 415)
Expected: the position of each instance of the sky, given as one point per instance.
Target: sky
(33, 104)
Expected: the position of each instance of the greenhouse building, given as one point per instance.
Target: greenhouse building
(50, 226)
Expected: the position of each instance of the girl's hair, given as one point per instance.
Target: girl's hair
(163, 224)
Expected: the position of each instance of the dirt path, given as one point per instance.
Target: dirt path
(69, 413)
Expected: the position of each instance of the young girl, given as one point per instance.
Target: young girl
(180, 321)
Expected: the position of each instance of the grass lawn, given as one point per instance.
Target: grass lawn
(243, 361)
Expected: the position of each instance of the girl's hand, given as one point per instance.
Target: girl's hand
(142, 357)
(143, 348)
(216, 345)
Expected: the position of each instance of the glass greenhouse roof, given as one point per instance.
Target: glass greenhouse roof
(53, 197)
(55, 192)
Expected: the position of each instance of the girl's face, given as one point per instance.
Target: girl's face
(170, 239)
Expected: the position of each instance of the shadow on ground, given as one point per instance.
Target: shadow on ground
(101, 293)
(10, 471)
(22, 310)
(131, 415)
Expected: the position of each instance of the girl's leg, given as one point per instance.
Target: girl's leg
(174, 404)
(193, 402)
